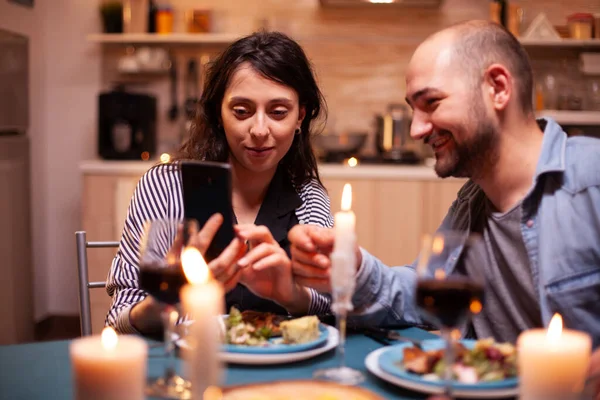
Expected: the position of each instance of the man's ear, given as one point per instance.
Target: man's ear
(499, 85)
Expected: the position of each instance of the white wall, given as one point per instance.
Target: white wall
(64, 83)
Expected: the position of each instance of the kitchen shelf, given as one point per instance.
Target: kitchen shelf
(566, 43)
(572, 117)
(172, 38)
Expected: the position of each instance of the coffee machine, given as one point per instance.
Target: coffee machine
(126, 125)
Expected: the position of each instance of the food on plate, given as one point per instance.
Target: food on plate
(253, 328)
(487, 361)
(244, 332)
(262, 320)
(300, 330)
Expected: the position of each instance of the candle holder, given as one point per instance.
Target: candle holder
(343, 271)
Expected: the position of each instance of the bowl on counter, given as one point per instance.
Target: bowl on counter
(340, 144)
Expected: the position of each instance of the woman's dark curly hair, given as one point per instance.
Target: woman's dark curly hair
(280, 59)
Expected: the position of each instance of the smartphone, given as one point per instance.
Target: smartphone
(207, 190)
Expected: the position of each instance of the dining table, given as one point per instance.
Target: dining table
(42, 370)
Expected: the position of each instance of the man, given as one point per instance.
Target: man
(533, 193)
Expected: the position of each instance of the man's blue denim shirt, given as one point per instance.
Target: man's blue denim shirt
(561, 231)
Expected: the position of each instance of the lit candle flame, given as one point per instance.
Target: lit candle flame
(194, 267)
(555, 328)
(439, 274)
(347, 197)
(109, 338)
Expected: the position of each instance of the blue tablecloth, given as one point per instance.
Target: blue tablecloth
(43, 370)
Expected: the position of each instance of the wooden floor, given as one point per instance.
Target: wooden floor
(57, 328)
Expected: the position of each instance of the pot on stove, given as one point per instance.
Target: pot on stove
(392, 136)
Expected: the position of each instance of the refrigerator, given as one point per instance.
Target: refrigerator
(16, 295)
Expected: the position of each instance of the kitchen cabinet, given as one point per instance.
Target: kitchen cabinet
(394, 207)
(392, 215)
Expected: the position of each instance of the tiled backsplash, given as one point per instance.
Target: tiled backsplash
(359, 56)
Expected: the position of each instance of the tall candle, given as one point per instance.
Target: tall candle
(552, 363)
(109, 367)
(343, 257)
(202, 299)
(344, 223)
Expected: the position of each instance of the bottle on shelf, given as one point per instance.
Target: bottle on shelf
(135, 16)
(151, 16)
(498, 11)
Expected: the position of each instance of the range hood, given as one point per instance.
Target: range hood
(382, 3)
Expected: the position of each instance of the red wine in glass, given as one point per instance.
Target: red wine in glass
(448, 302)
(163, 282)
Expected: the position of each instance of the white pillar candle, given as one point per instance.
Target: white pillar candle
(202, 300)
(552, 363)
(109, 367)
(343, 257)
(344, 223)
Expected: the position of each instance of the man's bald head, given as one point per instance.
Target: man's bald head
(475, 45)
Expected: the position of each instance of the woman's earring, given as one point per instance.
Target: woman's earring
(297, 131)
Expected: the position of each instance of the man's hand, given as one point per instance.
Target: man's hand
(311, 247)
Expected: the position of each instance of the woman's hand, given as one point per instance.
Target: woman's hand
(225, 267)
(267, 272)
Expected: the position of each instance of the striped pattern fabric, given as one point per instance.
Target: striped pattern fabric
(158, 196)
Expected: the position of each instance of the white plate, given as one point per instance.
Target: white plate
(281, 358)
(372, 364)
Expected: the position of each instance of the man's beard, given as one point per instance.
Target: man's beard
(472, 157)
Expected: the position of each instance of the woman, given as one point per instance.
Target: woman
(259, 104)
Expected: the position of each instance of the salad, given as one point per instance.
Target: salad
(487, 361)
(251, 328)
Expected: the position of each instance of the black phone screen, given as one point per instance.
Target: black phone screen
(207, 190)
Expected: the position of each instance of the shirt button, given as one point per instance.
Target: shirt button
(529, 223)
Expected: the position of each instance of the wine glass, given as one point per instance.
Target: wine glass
(162, 276)
(450, 287)
(343, 284)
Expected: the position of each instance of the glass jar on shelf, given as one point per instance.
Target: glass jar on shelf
(550, 91)
(571, 87)
(164, 19)
(593, 94)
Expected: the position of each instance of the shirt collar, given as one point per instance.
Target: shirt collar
(552, 156)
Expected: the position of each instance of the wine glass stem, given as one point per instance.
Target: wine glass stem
(448, 360)
(169, 317)
(341, 326)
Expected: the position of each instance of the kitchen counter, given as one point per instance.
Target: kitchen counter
(369, 171)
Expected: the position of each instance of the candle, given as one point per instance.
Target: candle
(552, 364)
(343, 257)
(108, 366)
(344, 223)
(202, 299)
